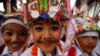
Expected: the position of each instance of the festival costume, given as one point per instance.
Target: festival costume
(6, 51)
(84, 22)
(36, 51)
(75, 51)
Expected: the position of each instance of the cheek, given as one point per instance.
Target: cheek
(23, 39)
(36, 35)
(57, 34)
(81, 42)
(6, 39)
(96, 42)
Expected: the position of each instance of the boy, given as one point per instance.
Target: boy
(86, 38)
(47, 34)
(15, 35)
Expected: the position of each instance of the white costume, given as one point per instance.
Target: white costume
(28, 52)
(79, 53)
(97, 49)
(6, 52)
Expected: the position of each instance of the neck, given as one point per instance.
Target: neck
(53, 53)
(87, 54)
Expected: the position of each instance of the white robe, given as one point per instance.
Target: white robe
(79, 53)
(6, 51)
(97, 49)
(29, 50)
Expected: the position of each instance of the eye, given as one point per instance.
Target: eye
(23, 33)
(94, 37)
(38, 28)
(8, 33)
(54, 27)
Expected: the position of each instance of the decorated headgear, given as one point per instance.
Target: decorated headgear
(12, 20)
(56, 9)
(86, 8)
(86, 27)
(44, 16)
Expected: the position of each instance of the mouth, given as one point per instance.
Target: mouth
(47, 42)
(90, 47)
(15, 45)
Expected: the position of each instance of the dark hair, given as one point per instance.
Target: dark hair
(41, 19)
(2, 19)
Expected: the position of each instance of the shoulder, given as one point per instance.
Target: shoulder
(27, 52)
(2, 49)
(97, 48)
(94, 54)
(74, 50)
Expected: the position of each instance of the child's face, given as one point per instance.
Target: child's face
(46, 34)
(87, 43)
(15, 36)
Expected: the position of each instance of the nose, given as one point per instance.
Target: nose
(14, 38)
(47, 33)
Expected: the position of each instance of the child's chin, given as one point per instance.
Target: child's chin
(47, 51)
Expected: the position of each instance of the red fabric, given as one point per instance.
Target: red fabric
(34, 50)
(58, 15)
(72, 52)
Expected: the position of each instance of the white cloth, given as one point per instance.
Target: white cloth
(97, 49)
(29, 50)
(79, 53)
(16, 21)
(98, 23)
(92, 8)
(90, 33)
(8, 53)
(1, 41)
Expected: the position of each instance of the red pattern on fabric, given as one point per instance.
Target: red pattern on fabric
(34, 50)
(58, 15)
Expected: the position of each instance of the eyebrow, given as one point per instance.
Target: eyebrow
(12, 30)
(40, 21)
(55, 23)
